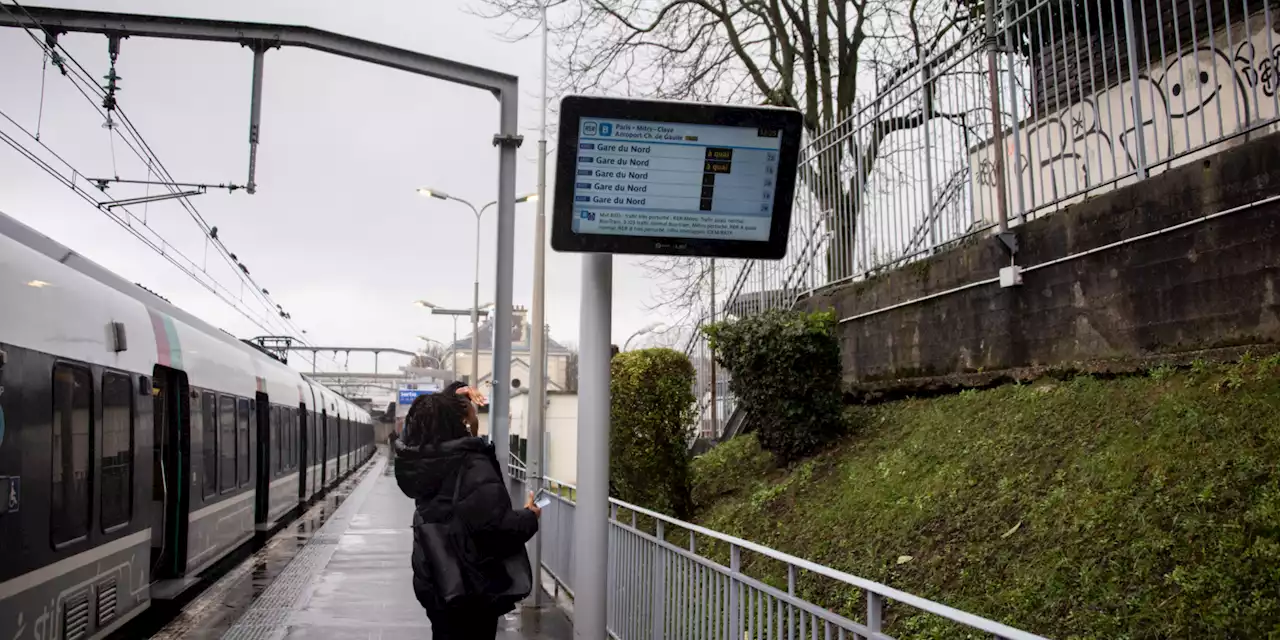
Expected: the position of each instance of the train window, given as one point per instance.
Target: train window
(242, 445)
(277, 441)
(117, 450)
(313, 441)
(284, 441)
(287, 419)
(227, 442)
(317, 452)
(286, 454)
(72, 444)
(209, 428)
(291, 419)
(290, 439)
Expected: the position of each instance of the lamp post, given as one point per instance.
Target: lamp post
(474, 312)
(439, 362)
(475, 304)
(538, 341)
(649, 328)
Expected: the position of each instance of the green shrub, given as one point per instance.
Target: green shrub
(652, 412)
(731, 467)
(786, 374)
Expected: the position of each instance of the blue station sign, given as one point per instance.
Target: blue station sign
(407, 396)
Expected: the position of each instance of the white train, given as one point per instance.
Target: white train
(138, 444)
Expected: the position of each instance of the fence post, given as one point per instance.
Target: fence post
(791, 591)
(927, 89)
(1138, 122)
(1016, 172)
(735, 567)
(875, 611)
(658, 591)
(997, 125)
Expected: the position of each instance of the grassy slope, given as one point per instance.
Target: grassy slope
(1142, 507)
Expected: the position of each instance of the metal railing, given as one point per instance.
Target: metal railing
(1091, 96)
(674, 579)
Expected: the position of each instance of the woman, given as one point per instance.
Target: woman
(453, 477)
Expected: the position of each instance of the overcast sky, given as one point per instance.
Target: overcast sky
(335, 232)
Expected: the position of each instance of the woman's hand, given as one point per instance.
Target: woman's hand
(473, 395)
(531, 505)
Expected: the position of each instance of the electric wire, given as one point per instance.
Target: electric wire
(148, 157)
(162, 247)
(151, 160)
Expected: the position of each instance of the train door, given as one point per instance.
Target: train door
(171, 446)
(304, 441)
(262, 502)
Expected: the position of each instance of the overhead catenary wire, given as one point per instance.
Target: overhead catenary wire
(160, 246)
(81, 79)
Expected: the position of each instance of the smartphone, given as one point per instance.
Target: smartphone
(543, 500)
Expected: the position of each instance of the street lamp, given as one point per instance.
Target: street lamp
(649, 328)
(481, 311)
(439, 362)
(475, 308)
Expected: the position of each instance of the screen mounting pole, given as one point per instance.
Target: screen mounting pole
(591, 519)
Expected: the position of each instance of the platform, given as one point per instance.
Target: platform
(352, 579)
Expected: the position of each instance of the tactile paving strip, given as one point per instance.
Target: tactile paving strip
(268, 617)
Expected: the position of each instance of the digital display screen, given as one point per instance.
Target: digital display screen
(658, 177)
(675, 180)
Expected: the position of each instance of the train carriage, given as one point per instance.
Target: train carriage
(138, 444)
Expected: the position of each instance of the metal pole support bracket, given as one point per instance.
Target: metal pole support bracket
(1008, 242)
(259, 44)
(508, 140)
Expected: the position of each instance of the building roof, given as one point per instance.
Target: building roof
(517, 346)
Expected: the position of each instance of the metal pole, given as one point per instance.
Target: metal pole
(928, 159)
(1014, 116)
(537, 359)
(499, 409)
(255, 116)
(715, 410)
(591, 517)
(455, 348)
(475, 312)
(1138, 123)
(997, 126)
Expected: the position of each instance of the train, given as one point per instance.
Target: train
(139, 445)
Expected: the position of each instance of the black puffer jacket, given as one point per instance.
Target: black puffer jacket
(428, 475)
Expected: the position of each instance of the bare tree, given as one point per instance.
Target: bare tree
(819, 56)
(430, 356)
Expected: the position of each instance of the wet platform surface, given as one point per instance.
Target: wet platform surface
(349, 579)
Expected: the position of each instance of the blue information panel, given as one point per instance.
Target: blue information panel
(671, 178)
(675, 180)
(407, 396)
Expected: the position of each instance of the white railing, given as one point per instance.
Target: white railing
(673, 579)
(1091, 96)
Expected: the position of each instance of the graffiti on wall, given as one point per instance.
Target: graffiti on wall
(1191, 105)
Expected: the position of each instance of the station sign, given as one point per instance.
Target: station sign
(674, 178)
(407, 396)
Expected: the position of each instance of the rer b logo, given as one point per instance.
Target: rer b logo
(606, 129)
